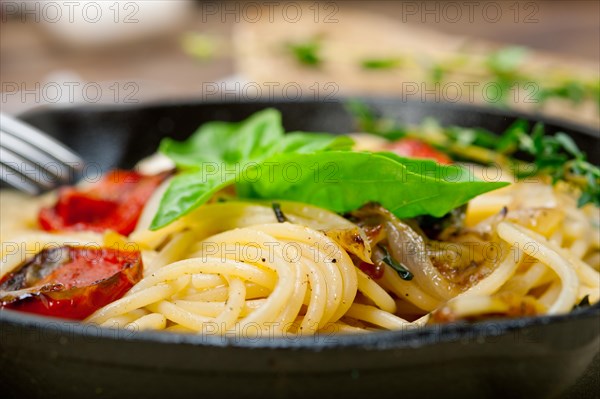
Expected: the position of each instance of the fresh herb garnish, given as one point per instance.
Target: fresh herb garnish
(507, 60)
(503, 73)
(584, 303)
(306, 52)
(402, 271)
(263, 163)
(437, 73)
(278, 212)
(556, 156)
(449, 223)
(367, 120)
(572, 90)
(380, 63)
(200, 46)
(505, 69)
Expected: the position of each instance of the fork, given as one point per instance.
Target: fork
(32, 161)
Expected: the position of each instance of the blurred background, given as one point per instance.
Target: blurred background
(536, 56)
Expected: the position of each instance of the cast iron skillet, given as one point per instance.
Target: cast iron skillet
(528, 357)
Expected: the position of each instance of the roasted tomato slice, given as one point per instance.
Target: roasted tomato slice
(413, 148)
(115, 203)
(70, 282)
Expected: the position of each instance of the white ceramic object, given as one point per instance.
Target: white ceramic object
(86, 23)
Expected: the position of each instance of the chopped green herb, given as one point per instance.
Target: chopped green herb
(437, 73)
(570, 90)
(278, 212)
(507, 59)
(381, 63)
(503, 69)
(200, 46)
(584, 303)
(557, 156)
(307, 52)
(402, 271)
(451, 222)
(367, 121)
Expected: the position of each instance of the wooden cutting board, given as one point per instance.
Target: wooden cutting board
(427, 65)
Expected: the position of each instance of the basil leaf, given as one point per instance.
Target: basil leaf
(303, 143)
(314, 168)
(186, 192)
(427, 168)
(219, 152)
(226, 142)
(343, 181)
(295, 143)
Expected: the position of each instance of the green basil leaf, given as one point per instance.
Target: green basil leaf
(295, 143)
(315, 168)
(304, 143)
(219, 152)
(343, 181)
(185, 193)
(430, 169)
(227, 142)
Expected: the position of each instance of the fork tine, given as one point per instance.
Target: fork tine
(59, 170)
(14, 179)
(26, 169)
(40, 140)
(31, 161)
(10, 174)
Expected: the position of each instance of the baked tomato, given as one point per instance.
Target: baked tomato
(413, 148)
(70, 282)
(115, 202)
